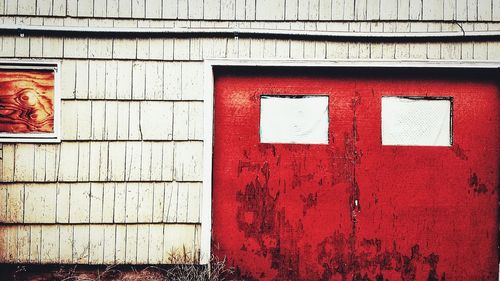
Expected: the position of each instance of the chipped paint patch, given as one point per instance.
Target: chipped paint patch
(477, 186)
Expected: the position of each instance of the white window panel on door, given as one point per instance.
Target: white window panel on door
(416, 121)
(294, 119)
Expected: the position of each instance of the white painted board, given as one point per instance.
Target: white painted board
(416, 121)
(294, 119)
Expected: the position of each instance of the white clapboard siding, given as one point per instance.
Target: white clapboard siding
(52, 47)
(496, 11)
(108, 241)
(131, 202)
(188, 157)
(179, 247)
(451, 51)
(49, 246)
(22, 47)
(155, 120)
(154, 80)
(75, 47)
(7, 46)
(11, 251)
(14, 208)
(97, 79)
(125, 80)
(68, 79)
(68, 161)
(138, 8)
(152, 50)
(7, 169)
(124, 48)
(134, 130)
(72, 8)
(99, 10)
(171, 191)
(39, 203)
(110, 124)
(82, 78)
(35, 243)
(24, 159)
(269, 9)
(3, 202)
(26, 7)
(192, 84)
(181, 121)
(58, 8)
(493, 51)
(181, 49)
(66, 244)
(131, 235)
(96, 244)
(120, 244)
(81, 244)
(23, 243)
(44, 7)
(8, 245)
(146, 161)
(138, 80)
(102, 161)
(239, 10)
(79, 202)
(372, 9)
(116, 161)
(97, 203)
(214, 48)
(63, 195)
(133, 161)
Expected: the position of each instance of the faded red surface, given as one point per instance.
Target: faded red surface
(26, 101)
(288, 212)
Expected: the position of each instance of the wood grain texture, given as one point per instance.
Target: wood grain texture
(26, 101)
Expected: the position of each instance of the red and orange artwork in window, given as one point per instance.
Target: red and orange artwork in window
(26, 101)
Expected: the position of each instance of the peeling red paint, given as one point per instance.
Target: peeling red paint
(459, 152)
(476, 185)
(309, 202)
(354, 209)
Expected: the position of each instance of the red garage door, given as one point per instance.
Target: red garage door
(356, 175)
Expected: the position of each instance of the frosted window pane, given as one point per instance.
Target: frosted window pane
(416, 121)
(297, 119)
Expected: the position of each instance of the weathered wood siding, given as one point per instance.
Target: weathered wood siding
(124, 185)
(274, 10)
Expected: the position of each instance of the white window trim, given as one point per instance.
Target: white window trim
(54, 137)
(209, 64)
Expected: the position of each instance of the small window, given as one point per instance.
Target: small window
(416, 121)
(28, 103)
(294, 119)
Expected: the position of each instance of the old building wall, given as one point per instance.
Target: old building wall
(125, 183)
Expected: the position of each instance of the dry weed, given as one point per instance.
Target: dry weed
(184, 269)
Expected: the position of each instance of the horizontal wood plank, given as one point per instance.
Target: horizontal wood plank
(100, 161)
(219, 10)
(73, 244)
(97, 203)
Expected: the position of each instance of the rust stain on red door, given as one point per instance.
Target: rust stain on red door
(354, 209)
